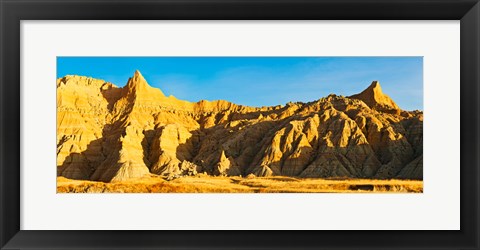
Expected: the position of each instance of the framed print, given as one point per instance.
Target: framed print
(239, 124)
(141, 139)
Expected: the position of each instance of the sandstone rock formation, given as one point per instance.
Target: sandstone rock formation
(374, 97)
(106, 133)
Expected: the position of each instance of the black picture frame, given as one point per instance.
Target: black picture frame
(13, 11)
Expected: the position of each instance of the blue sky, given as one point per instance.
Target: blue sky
(260, 81)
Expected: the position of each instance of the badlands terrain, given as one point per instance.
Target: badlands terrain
(136, 139)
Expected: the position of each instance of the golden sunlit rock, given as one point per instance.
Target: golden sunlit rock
(111, 134)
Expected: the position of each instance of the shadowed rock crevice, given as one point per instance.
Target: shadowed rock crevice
(82, 165)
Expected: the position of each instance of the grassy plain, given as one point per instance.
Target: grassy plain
(211, 184)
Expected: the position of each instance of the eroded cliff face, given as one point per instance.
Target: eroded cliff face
(106, 133)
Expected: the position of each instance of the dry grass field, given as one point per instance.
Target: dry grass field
(211, 184)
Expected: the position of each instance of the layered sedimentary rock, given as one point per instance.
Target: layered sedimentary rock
(107, 133)
(374, 97)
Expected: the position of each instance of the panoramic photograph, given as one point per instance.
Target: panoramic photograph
(239, 124)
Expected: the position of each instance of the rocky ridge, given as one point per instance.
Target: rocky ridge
(106, 133)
